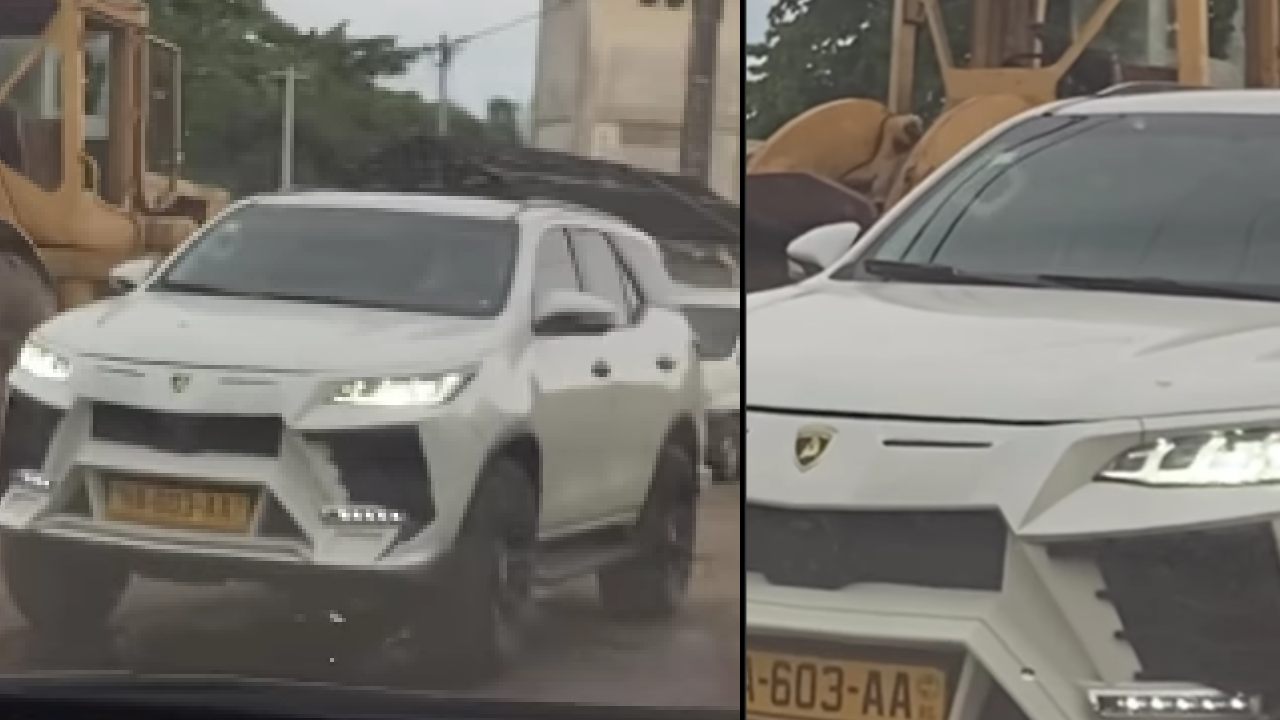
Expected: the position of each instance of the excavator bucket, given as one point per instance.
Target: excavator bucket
(794, 202)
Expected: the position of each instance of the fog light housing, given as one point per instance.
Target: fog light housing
(30, 479)
(362, 515)
(1172, 702)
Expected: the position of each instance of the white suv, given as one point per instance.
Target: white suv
(1015, 453)
(418, 406)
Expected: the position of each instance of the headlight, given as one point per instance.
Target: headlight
(401, 391)
(38, 362)
(1245, 456)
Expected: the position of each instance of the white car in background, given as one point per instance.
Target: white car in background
(716, 317)
(408, 408)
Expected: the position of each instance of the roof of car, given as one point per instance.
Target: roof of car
(1186, 100)
(401, 202)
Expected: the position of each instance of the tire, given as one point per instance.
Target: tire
(475, 626)
(26, 300)
(726, 468)
(61, 595)
(654, 582)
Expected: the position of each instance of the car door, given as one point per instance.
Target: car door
(641, 368)
(570, 402)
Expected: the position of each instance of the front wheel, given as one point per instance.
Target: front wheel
(655, 581)
(61, 595)
(473, 625)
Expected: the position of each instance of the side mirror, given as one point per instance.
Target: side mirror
(568, 312)
(816, 250)
(128, 275)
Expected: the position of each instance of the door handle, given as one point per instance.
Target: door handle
(666, 363)
(601, 369)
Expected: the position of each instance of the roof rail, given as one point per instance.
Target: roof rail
(1143, 87)
(543, 203)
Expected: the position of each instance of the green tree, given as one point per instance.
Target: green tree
(233, 112)
(502, 122)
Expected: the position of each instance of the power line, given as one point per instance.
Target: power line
(446, 50)
(512, 23)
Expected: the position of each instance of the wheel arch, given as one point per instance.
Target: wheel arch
(522, 446)
(684, 433)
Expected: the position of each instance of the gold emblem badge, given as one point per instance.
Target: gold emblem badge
(179, 382)
(811, 442)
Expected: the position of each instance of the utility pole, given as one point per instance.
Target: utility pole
(700, 89)
(291, 77)
(444, 52)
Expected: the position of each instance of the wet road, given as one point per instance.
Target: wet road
(575, 654)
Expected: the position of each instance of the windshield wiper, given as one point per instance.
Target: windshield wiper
(203, 289)
(200, 288)
(1160, 286)
(929, 273)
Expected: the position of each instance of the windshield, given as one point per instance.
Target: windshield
(716, 328)
(1186, 198)
(364, 258)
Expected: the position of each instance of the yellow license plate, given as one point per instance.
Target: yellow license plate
(801, 687)
(174, 506)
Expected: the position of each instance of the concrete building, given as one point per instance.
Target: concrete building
(610, 83)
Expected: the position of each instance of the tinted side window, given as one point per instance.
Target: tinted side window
(600, 272)
(634, 295)
(554, 266)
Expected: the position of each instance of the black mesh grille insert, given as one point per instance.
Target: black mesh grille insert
(382, 466)
(28, 427)
(1200, 606)
(188, 433)
(833, 549)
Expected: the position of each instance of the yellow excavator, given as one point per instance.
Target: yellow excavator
(851, 159)
(90, 154)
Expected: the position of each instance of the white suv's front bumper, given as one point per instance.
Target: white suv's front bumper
(295, 464)
(885, 545)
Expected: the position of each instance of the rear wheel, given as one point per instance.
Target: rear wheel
(655, 581)
(725, 470)
(62, 596)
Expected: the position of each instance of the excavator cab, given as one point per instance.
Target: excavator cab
(90, 141)
(851, 159)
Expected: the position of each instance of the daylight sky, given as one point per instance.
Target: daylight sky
(755, 20)
(499, 65)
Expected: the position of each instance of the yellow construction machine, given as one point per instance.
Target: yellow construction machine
(852, 158)
(90, 154)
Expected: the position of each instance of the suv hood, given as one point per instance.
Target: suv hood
(249, 333)
(1008, 354)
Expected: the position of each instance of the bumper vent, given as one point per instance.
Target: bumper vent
(1200, 606)
(188, 433)
(28, 427)
(382, 466)
(829, 550)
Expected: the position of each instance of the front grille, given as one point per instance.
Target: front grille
(188, 433)
(382, 466)
(28, 427)
(831, 549)
(1200, 606)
